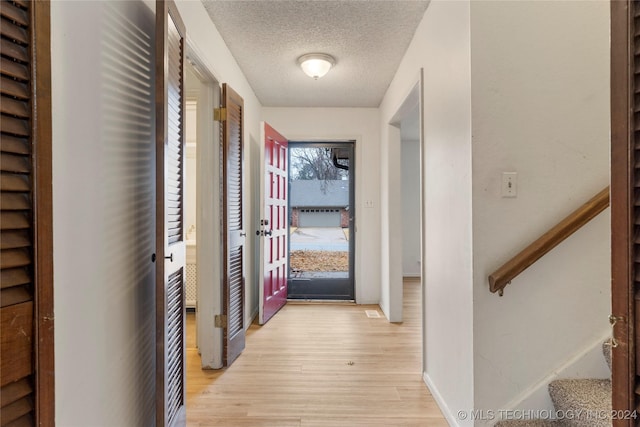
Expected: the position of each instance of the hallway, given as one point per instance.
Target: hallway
(319, 365)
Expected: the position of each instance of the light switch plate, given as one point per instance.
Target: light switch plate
(509, 184)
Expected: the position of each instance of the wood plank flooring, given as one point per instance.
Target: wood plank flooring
(319, 365)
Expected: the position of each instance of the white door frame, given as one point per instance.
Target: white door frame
(208, 205)
(414, 97)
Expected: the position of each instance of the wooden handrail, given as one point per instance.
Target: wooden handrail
(500, 278)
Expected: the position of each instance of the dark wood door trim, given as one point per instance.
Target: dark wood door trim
(26, 309)
(43, 215)
(232, 163)
(622, 164)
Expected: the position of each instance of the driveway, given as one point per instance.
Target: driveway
(319, 239)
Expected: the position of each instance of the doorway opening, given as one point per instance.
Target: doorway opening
(410, 192)
(321, 220)
(406, 205)
(202, 207)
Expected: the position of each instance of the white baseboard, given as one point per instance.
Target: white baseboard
(446, 411)
(367, 302)
(588, 362)
(254, 315)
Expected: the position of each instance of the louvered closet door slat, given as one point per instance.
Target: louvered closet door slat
(15, 391)
(14, 201)
(13, 296)
(14, 69)
(234, 292)
(15, 126)
(175, 344)
(14, 13)
(14, 108)
(25, 421)
(14, 33)
(15, 258)
(16, 410)
(13, 163)
(14, 51)
(12, 144)
(13, 221)
(14, 183)
(14, 88)
(14, 239)
(13, 277)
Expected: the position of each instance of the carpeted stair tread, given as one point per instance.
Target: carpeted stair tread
(529, 423)
(606, 350)
(585, 398)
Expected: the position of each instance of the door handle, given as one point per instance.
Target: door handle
(170, 258)
(268, 233)
(242, 233)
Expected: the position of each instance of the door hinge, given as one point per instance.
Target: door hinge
(220, 320)
(615, 319)
(220, 114)
(612, 321)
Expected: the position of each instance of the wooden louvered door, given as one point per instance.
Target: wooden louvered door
(26, 279)
(625, 208)
(170, 246)
(233, 285)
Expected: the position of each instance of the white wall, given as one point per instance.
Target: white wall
(441, 46)
(410, 173)
(103, 202)
(360, 124)
(540, 96)
(104, 216)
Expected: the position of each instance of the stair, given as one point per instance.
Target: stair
(583, 402)
(587, 400)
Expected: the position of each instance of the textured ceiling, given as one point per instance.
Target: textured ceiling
(368, 38)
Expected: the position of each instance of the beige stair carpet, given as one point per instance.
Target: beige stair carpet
(578, 402)
(587, 402)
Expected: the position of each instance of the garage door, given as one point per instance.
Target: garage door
(319, 218)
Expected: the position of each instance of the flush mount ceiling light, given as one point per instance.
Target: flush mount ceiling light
(316, 65)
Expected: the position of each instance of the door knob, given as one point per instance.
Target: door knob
(170, 257)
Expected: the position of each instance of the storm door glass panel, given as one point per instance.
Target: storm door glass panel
(321, 219)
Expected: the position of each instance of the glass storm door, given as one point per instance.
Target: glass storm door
(321, 220)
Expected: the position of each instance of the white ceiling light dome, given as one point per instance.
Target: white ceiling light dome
(316, 65)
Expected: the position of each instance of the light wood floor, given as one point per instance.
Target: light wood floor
(319, 365)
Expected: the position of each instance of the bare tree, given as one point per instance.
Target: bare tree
(314, 164)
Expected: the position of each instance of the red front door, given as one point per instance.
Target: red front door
(274, 221)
